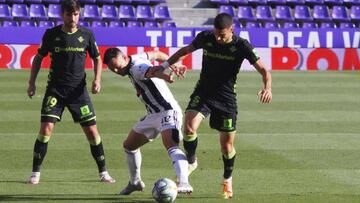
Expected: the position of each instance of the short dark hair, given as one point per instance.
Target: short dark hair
(70, 6)
(222, 21)
(111, 53)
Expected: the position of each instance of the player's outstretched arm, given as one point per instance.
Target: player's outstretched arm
(96, 84)
(157, 56)
(155, 71)
(35, 67)
(265, 94)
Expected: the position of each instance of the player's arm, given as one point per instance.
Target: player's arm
(35, 67)
(96, 85)
(157, 56)
(265, 94)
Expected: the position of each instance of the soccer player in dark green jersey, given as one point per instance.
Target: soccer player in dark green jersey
(214, 94)
(68, 45)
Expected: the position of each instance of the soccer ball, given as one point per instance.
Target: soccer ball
(164, 190)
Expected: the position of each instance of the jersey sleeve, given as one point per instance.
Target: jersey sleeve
(139, 71)
(93, 48)
(44, 47)
(250, 52)
(142, 56)
(199, 40)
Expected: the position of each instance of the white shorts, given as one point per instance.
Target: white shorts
(152, 124)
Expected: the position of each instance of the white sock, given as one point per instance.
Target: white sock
(180, 163)
(134, 165)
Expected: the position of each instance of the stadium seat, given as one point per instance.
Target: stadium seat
(91, 12)
(257, 2)
(122, 2)
(10, 23)
(50, 1)
(321, 13)
(314, 2)
(5, 12)
(54, 11)
(136, 2)
(346, 25)
(237, 24)
(155, 2)
(355, 13)
(169, 24)
(133, 24)
(283, 13)
(102, 2)
(126, 12)
(220, 2)
(263, 13)
(33, 1)
(290, 25)
(351, 2)
(46, 23)
(245, 13)
(109, 12)
(2, 1)
(116, 24)
(339, 14)
(37, 12)
(84, 23)
(252, 25)
(333, 2)
(309, 25)
(302, 13)
(295, 2)
(161, 13)
(143, 13)
(27, 23)
(87, 1)
(15, 2)
(19, 11)
(229, 9)
(276, 2)
(98, 24)
(271, 25)
(327, 25)
(151, 24)
(238, 2)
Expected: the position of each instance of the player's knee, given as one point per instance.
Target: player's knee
(189, 130)
(46, 129)
(229, 153)
(227, 149)
(190, 135)
(175, 135)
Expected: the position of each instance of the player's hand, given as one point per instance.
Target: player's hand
(179, 70)
(169, 77)
(31, 90)
(265, 95)
(96, 86)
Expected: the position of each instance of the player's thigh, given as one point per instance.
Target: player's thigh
(149, 126)
(223, 121)
(171, 122)
(196, 111)
(226, 141)
(81, 108)
(52, 106)
(135, 140)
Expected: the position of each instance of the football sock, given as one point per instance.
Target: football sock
(40, 149)
(134, 165)
(180, 163)
(97, 151)
(229, 160)
(190, 145)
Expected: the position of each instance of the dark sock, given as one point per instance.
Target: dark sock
(97, 151)
(190, 148)
(40, 150)
(228, 166)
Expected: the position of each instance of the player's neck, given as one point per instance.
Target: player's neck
(69, 30)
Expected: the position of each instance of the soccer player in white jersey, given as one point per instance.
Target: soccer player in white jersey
(164, 114)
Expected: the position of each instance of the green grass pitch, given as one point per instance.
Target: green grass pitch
(303, 147)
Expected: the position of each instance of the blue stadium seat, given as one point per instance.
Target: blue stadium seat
(161, 13)
(252, 24)
(19, 11)
(27, 23)
(37, 12)
(2, 1)
(290, 25)
(126, 12)
(169, 24)
(155, 2)
(109, 12)
(339, 14)
(295, 2)
(309, 25)
(136, 2)
(5, 12)
(351, 2)
(257, 2)
(87, 1)
(271, 25)
(355, 13)
(46, 23)
(238, 2)
(276, 2)
(84, 23)
(104, 2)
(98, 24)
(151, 24)
(321, 13)
(10, 23)
(314, 2)
(132, 23)
(122, 2)
(245, 13)
(263, 13)
(54, 11)
(346, 25)
(283, 13)
(333, 2)
(50, 1)
(91, 12)
(302, 13)
(143, 13)
(237, 24)
(229, 9)
(15, 1)
(327, 25)
(114, 24)
(220, 2)
(33, 1)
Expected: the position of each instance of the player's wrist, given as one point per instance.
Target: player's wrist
(164, 65)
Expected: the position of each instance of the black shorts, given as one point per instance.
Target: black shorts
(222, 116)
(76, 99)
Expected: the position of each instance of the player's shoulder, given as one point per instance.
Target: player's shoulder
(206, 33)
(53, 30)
(241, 42)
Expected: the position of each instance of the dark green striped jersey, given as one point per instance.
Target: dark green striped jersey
(68, 54)
(220, 66)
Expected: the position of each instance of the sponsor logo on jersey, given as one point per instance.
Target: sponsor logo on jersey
(218, 56)
(68, 49)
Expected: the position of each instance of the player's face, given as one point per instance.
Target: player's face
(223, 36)
(117, 64)
(71, 19)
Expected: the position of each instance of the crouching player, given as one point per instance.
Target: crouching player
(163, 114)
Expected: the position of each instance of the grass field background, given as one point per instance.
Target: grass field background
(303, 147)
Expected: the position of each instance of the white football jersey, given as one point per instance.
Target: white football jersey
(153, 92)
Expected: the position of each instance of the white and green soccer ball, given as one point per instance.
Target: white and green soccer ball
(164, 190)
